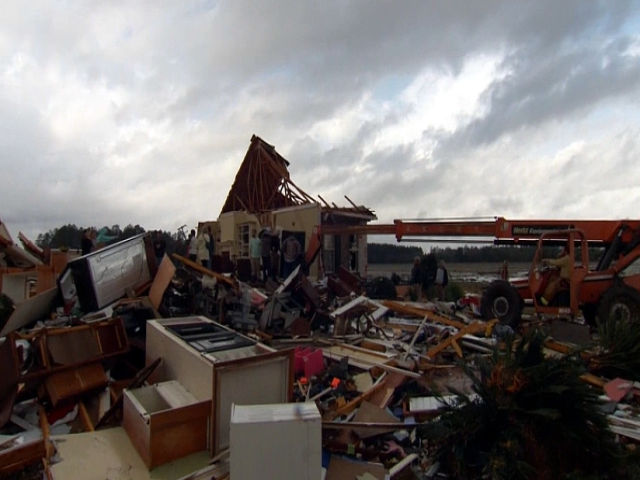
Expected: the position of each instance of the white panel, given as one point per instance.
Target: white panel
(264, 381)
(276, 441)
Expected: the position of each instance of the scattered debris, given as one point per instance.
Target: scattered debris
(115, 363)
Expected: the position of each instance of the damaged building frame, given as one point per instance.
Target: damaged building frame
(264, 196)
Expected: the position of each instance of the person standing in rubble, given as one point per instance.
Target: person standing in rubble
(416, 278)
(255, 247)
(211, 246)
(442, 279)
(291, 251)
(265, 253)
(86, 244)
(562, 277)
(275, 253)
(192, 249)
(159, 246)
(202, 249)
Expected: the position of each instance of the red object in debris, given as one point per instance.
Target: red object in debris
(299, 355)
(471, 300)
(303, 380)
(618, 388)
(308, 361)
(335, 382)
(313, 363)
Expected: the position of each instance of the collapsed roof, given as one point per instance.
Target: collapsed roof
(263, 184)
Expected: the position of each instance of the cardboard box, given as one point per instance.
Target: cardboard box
(165, 422)
(276, 441)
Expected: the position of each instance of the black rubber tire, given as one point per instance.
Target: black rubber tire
(501, 300)
(620, 303)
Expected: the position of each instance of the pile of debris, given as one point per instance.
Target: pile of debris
(112, 361)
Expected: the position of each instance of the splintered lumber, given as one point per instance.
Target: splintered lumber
(401, 307)
(592, 379)
(84, 417)
(360, 358)
(382, 397)
(624, 426)
(415, 336)
(475, 327)
(558, 347)
(402, 464)
(348, 407)
(387, 426)
(205, 271)
(46, 432)
(370, 413)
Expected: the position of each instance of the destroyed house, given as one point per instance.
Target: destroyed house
(263, 196)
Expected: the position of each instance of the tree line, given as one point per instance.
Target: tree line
(390, 253)
(70, 237)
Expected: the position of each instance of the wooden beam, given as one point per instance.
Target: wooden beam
(218, 276)
(475, 327)
(400, 307)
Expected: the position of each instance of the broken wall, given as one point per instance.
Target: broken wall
(300, 219)
(235, 231)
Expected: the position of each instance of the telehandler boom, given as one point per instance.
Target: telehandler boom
(608, 289)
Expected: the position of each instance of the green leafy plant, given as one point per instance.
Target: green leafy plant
(531, 417)
(617, 350)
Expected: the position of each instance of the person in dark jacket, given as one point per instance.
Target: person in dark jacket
(416, 278)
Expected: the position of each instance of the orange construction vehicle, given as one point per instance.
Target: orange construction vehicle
(608, 288)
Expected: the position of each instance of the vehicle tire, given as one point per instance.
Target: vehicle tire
(620, 303)
(501, 300)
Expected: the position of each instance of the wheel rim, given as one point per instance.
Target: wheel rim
(621, 311)
(500, 306)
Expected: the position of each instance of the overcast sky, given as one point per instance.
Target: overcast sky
(141, 112)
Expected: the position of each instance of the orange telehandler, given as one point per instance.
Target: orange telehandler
(609, 288)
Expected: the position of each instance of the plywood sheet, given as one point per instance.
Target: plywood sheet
(370, 413)
(345, 469)
(31, 310)
(110, 454)
(166, 271)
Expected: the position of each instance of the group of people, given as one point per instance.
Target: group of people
(93, 239)
(421, 278)
(270, 257)
(266, 250)
(201, 247)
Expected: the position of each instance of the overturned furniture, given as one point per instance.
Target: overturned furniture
(220, 365)
(165, 422)
(99, 278)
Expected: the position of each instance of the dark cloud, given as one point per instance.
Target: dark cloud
(141, 112)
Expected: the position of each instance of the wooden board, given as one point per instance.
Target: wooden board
(345, 469)
(368, 412)
(31, 310)
(161, 281)
(17, 458)
(71, 383)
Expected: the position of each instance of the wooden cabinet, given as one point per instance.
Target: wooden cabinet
(165, 422)
(224, 368)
